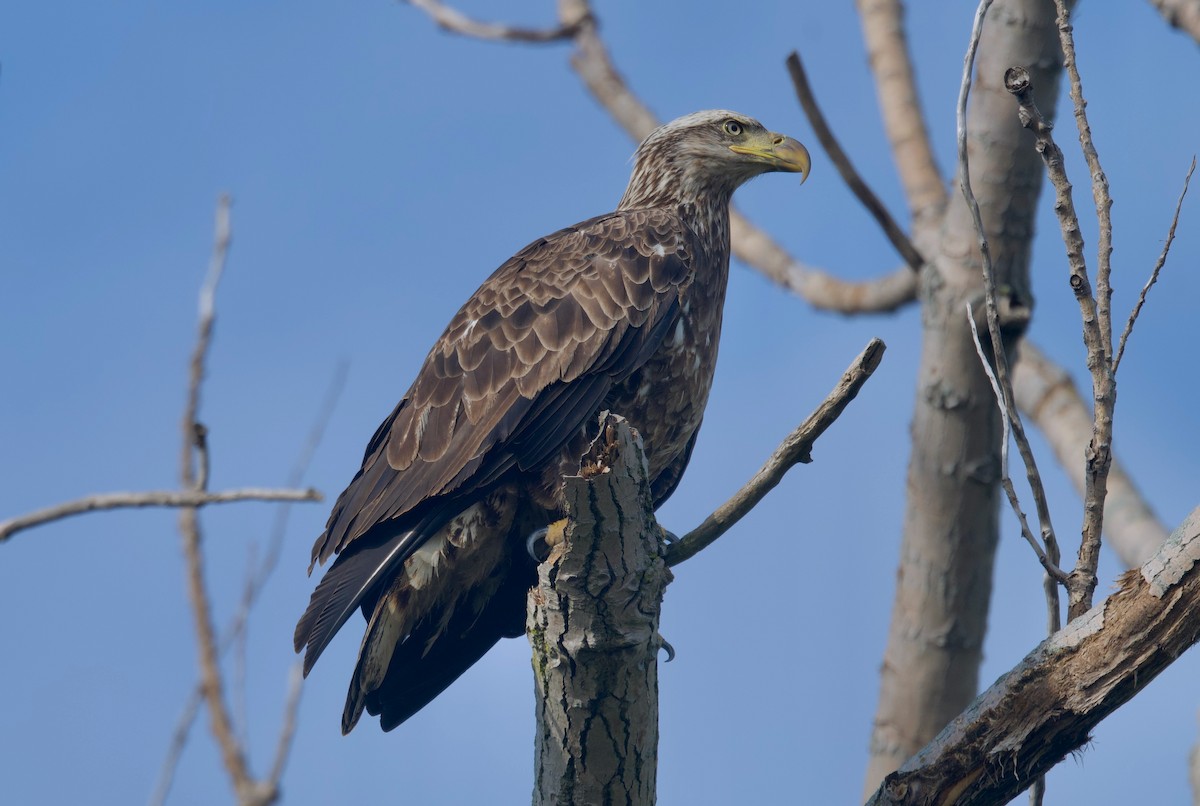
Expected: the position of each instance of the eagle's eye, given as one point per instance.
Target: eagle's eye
(733, 128)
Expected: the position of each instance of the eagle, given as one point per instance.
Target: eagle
(621, 312)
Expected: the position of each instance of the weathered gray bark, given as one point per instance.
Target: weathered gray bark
(593, 625)
(939, 618)
(1047, 705)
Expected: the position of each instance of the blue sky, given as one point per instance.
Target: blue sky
(380, 169)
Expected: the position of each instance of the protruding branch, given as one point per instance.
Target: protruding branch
(1158, 264)
(845, 167)
(903, 120)
(795, 449)
(149, 498)
(456, 22)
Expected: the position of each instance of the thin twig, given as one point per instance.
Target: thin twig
(795, 449)
(456, 22)
(1104, 391)
(852, 178)
(1002, 379)
(1158, 264)
(1049, 563)
(150, 498)
(1100, 194)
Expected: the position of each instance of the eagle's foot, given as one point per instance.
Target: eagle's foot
(542, 541)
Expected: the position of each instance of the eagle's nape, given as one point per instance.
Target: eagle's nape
(619, 312)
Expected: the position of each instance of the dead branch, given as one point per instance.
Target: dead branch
(1048, 704)
(795, 449)
(150, 498)
(456, 22)
(816, 118)
(1100, 193)
(1104, 389)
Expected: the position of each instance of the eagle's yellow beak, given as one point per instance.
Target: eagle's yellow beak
(778, 151)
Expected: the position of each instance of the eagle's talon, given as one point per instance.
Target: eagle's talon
(549, 536)
(531, 544)
(669, 537)
(663, 643)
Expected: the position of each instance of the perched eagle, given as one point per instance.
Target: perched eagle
(619, 312)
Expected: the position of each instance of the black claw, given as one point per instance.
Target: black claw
(669, 536)
(664, 644)
(536, 537)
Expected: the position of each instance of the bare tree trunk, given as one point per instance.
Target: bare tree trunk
(593, 623)
(939, 618)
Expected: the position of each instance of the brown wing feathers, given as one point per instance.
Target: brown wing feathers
(520, 369)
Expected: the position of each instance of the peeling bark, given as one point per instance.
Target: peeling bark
(593, 624)
(1047, 705)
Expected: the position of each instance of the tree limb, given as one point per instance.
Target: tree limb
(456, 22)
(150, 498)
(903, 119)
(1104, 389)
(1048, 704)
(796, 448)
(816, 118)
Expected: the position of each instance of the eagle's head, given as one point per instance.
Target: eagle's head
(703, 157)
